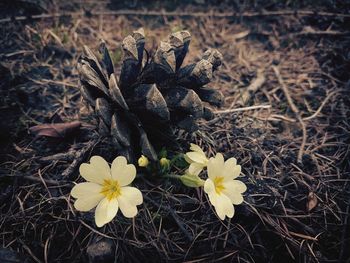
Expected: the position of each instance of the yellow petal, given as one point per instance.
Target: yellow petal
(129, 198)
(96, 171)
(195, 168)
(222, 203)
(234, 190)
(187, 159)
(87, 203)
(239, 186)
(85, 189)
(196, 148)
(132, 194)
(215, 166)
(224, 207)
(236, 171)
(236, 198)
(197, 157)
(229, 169)
(122, 172)
(209, 186)
(106, 210)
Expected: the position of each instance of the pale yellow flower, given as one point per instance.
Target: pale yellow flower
(107, 189)
(143, 161)
(223, 191)
(197, 159)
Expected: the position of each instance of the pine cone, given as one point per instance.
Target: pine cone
(152, 95)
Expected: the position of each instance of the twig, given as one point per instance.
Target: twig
(181, 14)
(67, 156)
(303, 236)
(49, 81)
(276, 117)
(320, 33)
(252, 88)
(80, 155)
(44, 183)
(255, 107)
(38, 180)
(95, 231)
(295, 109)
(343, 238)
(321, 106)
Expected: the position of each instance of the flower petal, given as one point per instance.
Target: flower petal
(129, 198)
(96, 171)
(229, 169)
(234, 190)
(215, 166)
(222, 203)
(236, 198)
(196, 148)
(209, 186)
(239, 186)
(188, 160)
(236, 171)
(106, 210)
(195, 168)
(85, 189)
(122, 172)
(197, 157)
(224, 207)
(87, 203)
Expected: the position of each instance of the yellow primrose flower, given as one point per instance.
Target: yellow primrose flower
(143, 161)
(108, 189)
(196, 159)
(223, 191)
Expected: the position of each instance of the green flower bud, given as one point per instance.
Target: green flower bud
(164, 163)
(191, 180)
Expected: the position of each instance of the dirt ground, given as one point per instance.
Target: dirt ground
(286, 81)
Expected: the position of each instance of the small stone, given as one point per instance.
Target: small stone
(101, 252)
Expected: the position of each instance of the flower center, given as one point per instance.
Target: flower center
(110, 189)
(218, 183)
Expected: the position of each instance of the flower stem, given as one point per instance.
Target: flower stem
(172, 176)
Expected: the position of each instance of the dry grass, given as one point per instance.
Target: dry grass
(294, 152)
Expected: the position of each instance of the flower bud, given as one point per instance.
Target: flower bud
(164, 163)
(191, 180)
(143, 161)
